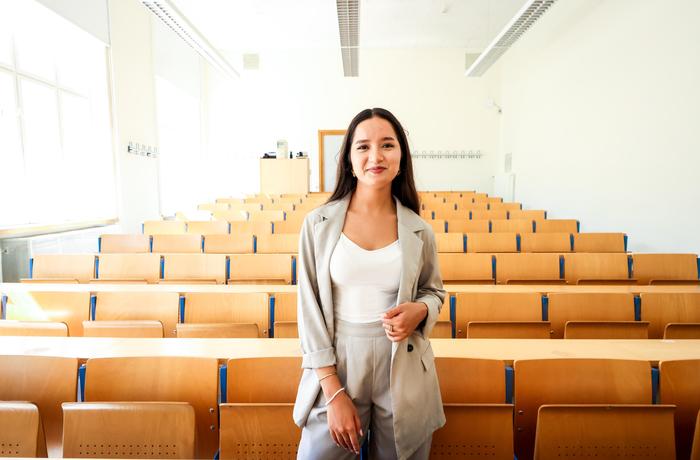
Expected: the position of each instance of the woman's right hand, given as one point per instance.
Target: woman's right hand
(344, 423)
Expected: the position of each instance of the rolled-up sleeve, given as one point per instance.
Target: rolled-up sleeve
(316, 345)
(430, 289)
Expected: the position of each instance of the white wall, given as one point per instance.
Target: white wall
(298, 92)
(601, 108)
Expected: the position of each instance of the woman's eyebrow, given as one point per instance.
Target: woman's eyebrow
(367, 140)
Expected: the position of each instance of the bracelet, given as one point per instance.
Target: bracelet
(327, 375)
(334, 395)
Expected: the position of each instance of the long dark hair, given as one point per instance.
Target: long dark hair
(402, 187)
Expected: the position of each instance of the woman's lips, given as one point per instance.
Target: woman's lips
(376, 170)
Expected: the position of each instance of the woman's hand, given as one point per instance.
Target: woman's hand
(344, 423)
(402, 320)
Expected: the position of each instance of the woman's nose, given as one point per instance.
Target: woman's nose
(375, 154)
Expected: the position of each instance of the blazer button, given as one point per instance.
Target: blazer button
(410, 347)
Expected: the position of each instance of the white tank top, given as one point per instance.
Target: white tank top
(365, 283)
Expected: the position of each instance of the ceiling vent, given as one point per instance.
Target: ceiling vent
(521, 22)
(178, 23)
(349, 28)
(251, 61)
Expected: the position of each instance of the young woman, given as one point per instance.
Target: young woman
(369, 295)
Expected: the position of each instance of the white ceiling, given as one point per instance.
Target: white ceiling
(255, 25)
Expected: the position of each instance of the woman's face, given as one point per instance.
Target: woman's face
(375, 153)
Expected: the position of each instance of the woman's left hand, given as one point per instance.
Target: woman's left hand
(402, 320)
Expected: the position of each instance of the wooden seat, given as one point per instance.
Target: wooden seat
(556, 226)
(527, 267)
(251, 227)
(492, 242)
(441, 330)
(80, 267)
(71, 308)
(466, 268)
(286, 330)
(449, 213)
(599, 242)
(139, 306)
(195, 267)
(458, 385)
(512, 226)
(283, 227)
(285, 306)
(528, 214)
(545, 242)
(163, 379)
(606, 330)
(266, 216)
(248, 380)
(468, 226)
(285, 243)
(185, 244)
(214, 307)
(438, 225)
(508, 329)
(10, 327)
(207, 227)
(213, 207)
(579, 306)
(495, 307)
(229, 244)
(21, 431)
(259, 431)
(128, 430)
(121, 244)
(125, 328)
(661, 309)
(495, 214)
(217, 330)
(596, 268)
(678, 384)
(114, 267)
(475, 431)
(261, 268)
(573, 381)
(506, 206)
(665, 268)
(674, 331)
(604, 431)
(164, 227)
(46, 382)
(449, 242)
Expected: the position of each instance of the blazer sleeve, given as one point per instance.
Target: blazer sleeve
(317, 348)
(430, 289)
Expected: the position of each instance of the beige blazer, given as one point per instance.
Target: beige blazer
(415, 393)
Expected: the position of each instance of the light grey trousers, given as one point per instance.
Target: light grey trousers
(363, 354)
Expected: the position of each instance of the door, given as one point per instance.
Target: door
(329, 144)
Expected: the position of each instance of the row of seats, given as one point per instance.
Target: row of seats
(486, 225)
(463, 315)
(286, 243)
(484, 415)
(437, 205)
(531, 242)
(486, 214)
(223, 227)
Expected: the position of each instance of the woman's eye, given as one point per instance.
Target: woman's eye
(388, 146)
(361, 147)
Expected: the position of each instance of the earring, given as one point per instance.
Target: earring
(353, 173)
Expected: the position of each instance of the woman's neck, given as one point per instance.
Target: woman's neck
(372, 201)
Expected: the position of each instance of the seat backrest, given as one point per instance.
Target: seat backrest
(450, 213)
(251, 227)
(283, 227)
(466, 268)
(492, 242)
(648, 268)
(250, 268)
(79, 267)
(604, 431)
(494, 214)
(218, 330)
(129, 267)
(282, 243)
(189, 243)
(71, 308)
(678, 384)
(526, 267)
(11, 327)
(186, 267)
(122, 244)
(508, 330)
(128, 430)
(286, 330)
(579, 306)
(511, 226)
(228, 307)
(265, 216)
(680, 331)
(528, 214)
(496, 306)
(438, 225)
(545, 242)
(599, 242)
(164, 379)
(45, 381)
(285, 306)
(628, 330)
(441, 330)
(663, 308)
(164, 227)
(449, 242)
(467, 380)
(124, 328)
(229, 244)
(573, 381)
(475, 431)
(21, 431)
(595, 267)
(507, 206)
(468, 226)
(259, 431)
(263, 380)
(207, 227)
(135, 305)
(556, 226)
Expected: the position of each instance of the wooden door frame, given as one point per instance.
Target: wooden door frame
(321, 134)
